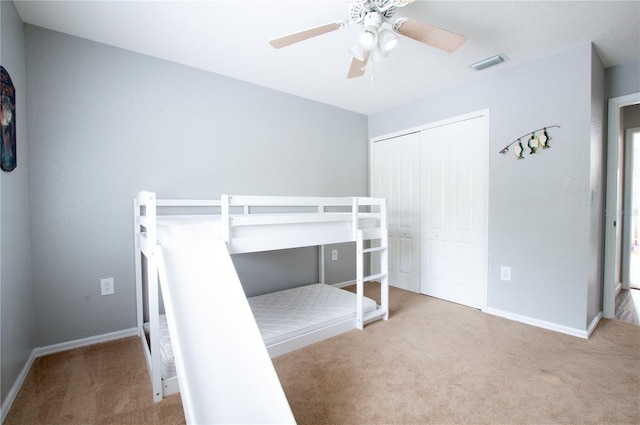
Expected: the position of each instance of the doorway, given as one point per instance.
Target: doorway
(614, 214)
(631, 206)
(628, 296)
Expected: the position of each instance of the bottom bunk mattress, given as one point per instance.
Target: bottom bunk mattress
(286, 314)
(293, 312)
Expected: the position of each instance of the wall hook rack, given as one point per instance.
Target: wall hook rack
(534, 142)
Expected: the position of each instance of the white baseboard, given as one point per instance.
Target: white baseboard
(544, 324)
(56, 348)
(343, 284)
(13, 392)
(593, 324)
(83, 342)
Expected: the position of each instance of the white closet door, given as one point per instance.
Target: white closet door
(454, 212)
(396, 176)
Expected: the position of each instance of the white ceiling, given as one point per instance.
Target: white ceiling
(231, 38)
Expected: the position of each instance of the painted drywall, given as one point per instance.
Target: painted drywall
(15, 292)
(106, 123)
(623, 79)
(597, 184)
(540, 208)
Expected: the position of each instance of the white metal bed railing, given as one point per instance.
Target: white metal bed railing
(359, 219)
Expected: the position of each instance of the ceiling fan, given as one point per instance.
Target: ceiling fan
(373, 16)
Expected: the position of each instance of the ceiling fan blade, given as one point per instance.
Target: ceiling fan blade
(428, 34)
(306, 34)
(358, 66)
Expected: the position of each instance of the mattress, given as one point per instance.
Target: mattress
(167, 360)
(284, 315)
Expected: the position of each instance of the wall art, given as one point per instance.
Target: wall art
(8, 122)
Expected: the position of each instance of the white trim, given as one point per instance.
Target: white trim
(83, 342)
(464, 117)
(52, 349)
(612, 233)
(593, 324)
(629, 164)
(17, 385)
(343, 284)
(544, 324)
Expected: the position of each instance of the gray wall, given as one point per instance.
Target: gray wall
(16, 318)
(542, 208)
(597, 189)
(623, 79)
(106, 123)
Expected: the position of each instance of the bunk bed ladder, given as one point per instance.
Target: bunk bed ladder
(145, 245)
(380, 249)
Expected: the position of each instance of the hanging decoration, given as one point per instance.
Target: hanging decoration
(7, 122)
(533, 140)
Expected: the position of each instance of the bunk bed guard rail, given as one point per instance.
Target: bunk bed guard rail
(242, 218)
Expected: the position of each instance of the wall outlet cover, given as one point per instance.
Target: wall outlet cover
(107, 287)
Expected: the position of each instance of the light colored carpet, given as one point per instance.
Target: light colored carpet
(100, 384)
(434, 362)
(441, 363)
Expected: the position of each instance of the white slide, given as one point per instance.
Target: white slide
(224, 370)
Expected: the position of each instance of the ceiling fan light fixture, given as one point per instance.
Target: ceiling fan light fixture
(387, 41)
(368, 38)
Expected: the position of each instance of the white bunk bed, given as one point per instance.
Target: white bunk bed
(165, 228)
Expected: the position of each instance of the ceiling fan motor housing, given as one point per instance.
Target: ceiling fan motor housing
(361, 9)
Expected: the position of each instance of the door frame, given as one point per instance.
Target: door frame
(613, 211)
(628, 219)
(483, 113)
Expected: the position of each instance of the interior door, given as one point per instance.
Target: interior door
(396, 177)
(454, 175)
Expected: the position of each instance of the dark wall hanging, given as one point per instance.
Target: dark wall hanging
(8, 122)
(530, 141)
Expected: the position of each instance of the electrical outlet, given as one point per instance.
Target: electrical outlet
(334, 255)
(505, 273)
(107, 287)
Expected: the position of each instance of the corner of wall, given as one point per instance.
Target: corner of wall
(597, 187)
(16, 284)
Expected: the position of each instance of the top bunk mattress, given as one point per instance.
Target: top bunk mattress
(293, 312)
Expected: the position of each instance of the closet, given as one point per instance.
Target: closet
(435, 180)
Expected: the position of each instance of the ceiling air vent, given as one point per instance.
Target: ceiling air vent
(490, 61)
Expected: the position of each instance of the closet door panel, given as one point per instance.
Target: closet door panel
(452, 212)
(396, 178)
(435, 180)
(436, 257)
(436, 172)
(463, 259)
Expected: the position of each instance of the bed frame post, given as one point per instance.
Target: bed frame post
(384, 259)
(224, 218)
(321, 271)
(138, 269)
(145, 244)
(359, 279)
(154, 325)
